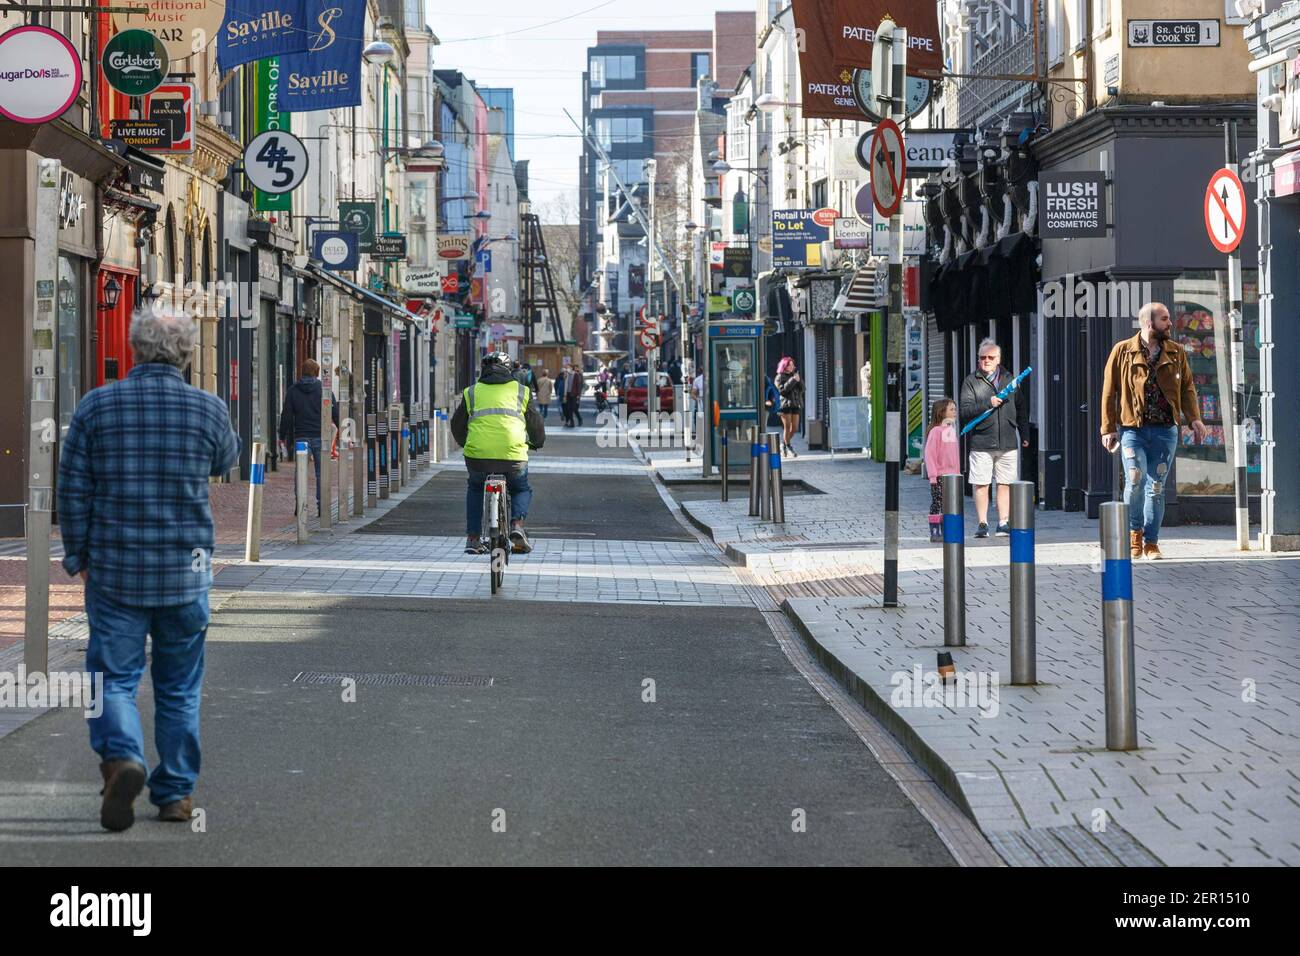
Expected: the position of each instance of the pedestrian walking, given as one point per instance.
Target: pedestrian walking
(790, 384)
(573, 395)
(995, 443)
(545, 389)
(942, 457)
(772, 402)
(300, 417)
(137, 527)
(1146, 394)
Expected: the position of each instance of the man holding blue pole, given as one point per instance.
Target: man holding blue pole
(995, 440)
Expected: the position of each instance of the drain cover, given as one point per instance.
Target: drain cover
(396, 680)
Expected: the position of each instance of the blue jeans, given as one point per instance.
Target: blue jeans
(313, 449)
(520, 497)
(546, 409)
(116, 650)
(1147, 454)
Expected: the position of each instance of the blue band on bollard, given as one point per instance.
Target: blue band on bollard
(302, 446)
(775, 459)
(762, 449)
(724, 439)
(954, 529)
(406, 433)
(257, 474)
(1022, 545)
(753, 450)
(1117, 580)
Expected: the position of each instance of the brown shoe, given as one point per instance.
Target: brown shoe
(1135, 543)
(1152, 551)
(123, 781)
(178, 812)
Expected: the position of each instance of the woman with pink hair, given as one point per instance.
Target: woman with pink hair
(790, 385)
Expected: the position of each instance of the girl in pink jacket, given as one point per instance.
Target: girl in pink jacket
(942, 457)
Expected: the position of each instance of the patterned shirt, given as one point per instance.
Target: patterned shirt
(133, 487)
(1156, 409)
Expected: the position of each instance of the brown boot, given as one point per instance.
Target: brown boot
(1152, 551)
(123, 781)
(178, 812)
(1135, 543)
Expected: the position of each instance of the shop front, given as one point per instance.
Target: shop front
(1155, 248)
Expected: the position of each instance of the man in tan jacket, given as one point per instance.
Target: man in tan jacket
(1146, 395)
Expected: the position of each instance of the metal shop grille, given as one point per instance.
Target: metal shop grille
(396, 680)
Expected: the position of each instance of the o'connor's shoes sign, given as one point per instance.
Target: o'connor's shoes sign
(40, 74)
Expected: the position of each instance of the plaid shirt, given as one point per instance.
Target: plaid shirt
(133, 487)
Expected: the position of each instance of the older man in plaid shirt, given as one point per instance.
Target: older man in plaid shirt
(137, 527)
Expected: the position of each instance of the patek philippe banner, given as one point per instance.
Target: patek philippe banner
(255, 29)
(327, 74)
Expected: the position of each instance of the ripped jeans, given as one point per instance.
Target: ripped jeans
(1147, 454)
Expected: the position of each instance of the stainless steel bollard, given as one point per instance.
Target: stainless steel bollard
(764, 478)
(954, 561)
(726, 485)
(1024, 652)
(345, 484)
(300, 486)
(774, 480)
(256, 483)
(1118, 667)
(435, 445)
(753, 471)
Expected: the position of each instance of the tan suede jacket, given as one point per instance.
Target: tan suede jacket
(1124, 386)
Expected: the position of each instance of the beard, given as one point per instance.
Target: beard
(1160, 335)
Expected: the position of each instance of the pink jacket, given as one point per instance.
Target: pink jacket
(942, 457)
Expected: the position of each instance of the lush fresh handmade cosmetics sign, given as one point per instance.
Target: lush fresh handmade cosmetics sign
(327, 74)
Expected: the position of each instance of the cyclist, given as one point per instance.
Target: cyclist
(497, 423)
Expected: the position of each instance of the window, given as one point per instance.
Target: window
(69, 335)
(1100, 17)
(619, 129)
(699, 67)
(1200, 326)
(738, 130)
(597, 72)
(604, 69)
(415, 14)
(1055, 30)
(819, 194)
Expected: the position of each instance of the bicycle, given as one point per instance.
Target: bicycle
(496, 527)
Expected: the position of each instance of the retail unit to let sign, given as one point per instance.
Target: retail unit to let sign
(42, 74)
(797, 239)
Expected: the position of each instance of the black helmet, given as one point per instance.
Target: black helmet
(494, 359)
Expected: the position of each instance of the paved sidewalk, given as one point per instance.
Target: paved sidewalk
(1216, 780)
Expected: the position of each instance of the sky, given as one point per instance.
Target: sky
(541, 57)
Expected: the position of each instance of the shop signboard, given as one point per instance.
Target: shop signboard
(453, 246)
(135, 62)
(326, 73)
(336, 250)
(172, 106)
(389, 247)
(737, 262)
(423, 280)
(913, 230)
(1166, 33)
(268, 116)
(797, 239)
(359, 216)
(184, 28)
(43, 74)
(1072, 205)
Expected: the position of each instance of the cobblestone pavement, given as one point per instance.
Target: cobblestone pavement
(1217, 777)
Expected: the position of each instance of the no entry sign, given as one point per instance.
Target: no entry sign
(1225, 210)
(888, 167)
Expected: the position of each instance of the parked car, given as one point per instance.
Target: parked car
(634, 392)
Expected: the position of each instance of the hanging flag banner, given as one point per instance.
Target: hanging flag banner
(267, 116)
(327, 74)
(838, 36)
(255, 29)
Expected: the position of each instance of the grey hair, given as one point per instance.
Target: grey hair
(989, 343)
(1147, 313)
(162, 334)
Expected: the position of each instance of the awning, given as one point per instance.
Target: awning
(373, 297)
(986, 284)
(863, 293)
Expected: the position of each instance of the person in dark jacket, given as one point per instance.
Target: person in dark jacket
(497, 423)
(300, 417)
(995, 443)
(790, 385)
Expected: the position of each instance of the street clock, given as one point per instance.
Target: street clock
(918, 94)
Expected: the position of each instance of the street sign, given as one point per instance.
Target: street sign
(1225, 210)
(888, 167)
(1173, 33)
(928, 150)
(135, 62)
(649, 340)
(42, 72)
(275, 161)
(743, 301)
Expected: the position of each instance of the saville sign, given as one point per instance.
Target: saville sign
(40, 74)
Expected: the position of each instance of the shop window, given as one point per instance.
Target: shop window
(69, 341)
(1200, 315)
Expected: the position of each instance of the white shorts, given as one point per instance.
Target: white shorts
(988, 465)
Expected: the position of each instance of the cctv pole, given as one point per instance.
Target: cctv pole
(652, 354)
(1238, 363)
(889, 68)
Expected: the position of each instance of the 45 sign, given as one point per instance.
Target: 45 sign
(275, 161)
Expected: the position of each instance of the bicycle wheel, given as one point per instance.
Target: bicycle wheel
(504, 523)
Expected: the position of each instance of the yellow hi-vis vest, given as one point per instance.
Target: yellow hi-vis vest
(496, 421)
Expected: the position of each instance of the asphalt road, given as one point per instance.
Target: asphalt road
(561, 751)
